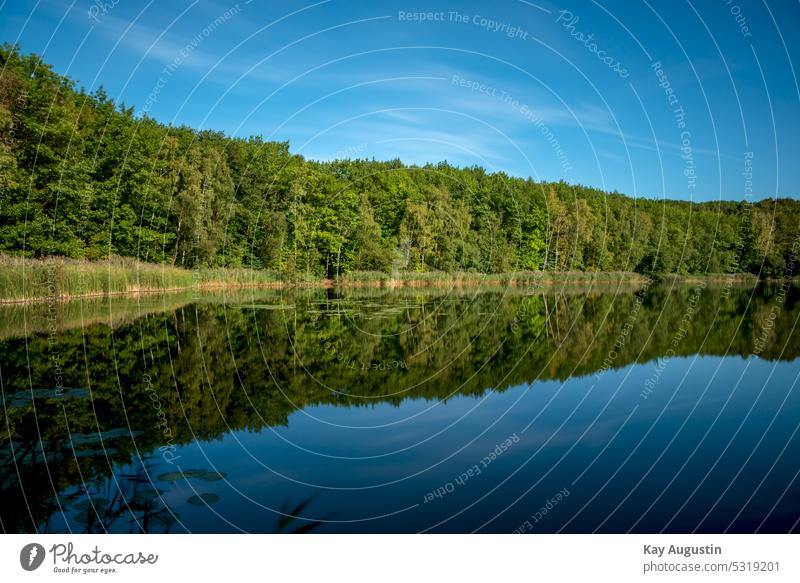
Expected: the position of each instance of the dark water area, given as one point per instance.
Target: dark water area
(657, 410)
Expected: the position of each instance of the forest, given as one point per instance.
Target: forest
(85, 177)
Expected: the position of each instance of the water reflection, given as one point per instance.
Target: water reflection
(404, 411)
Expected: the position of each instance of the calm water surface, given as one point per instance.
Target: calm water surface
(616, 410)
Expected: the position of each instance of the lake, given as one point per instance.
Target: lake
(665, 409)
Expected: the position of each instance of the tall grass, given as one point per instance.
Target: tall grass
(363, 279)
(58, 278)
(727, 278)
(235, 276)
(459, 279)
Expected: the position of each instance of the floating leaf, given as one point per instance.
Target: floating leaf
(170, 477)
(194, 473)
(203, 499)
(213, 476)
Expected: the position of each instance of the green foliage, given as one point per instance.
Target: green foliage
(84, 178)
(58, 278)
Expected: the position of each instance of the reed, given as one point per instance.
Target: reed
(470, 279)
(59, 278)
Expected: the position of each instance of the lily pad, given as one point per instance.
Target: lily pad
(194, 473)
(170, 477)
(203, 499)
(213, 476)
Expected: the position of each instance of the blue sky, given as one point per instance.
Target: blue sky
(511, 85)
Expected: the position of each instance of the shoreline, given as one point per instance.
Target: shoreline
(544, 280)
(318, 284)
(43, 315)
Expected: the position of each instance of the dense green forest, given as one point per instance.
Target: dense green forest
(84, 177)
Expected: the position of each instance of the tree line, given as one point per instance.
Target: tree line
(84, 177)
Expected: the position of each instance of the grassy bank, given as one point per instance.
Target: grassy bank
(61, 279)
(708, 278)
(470, 279)
(58, 278)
